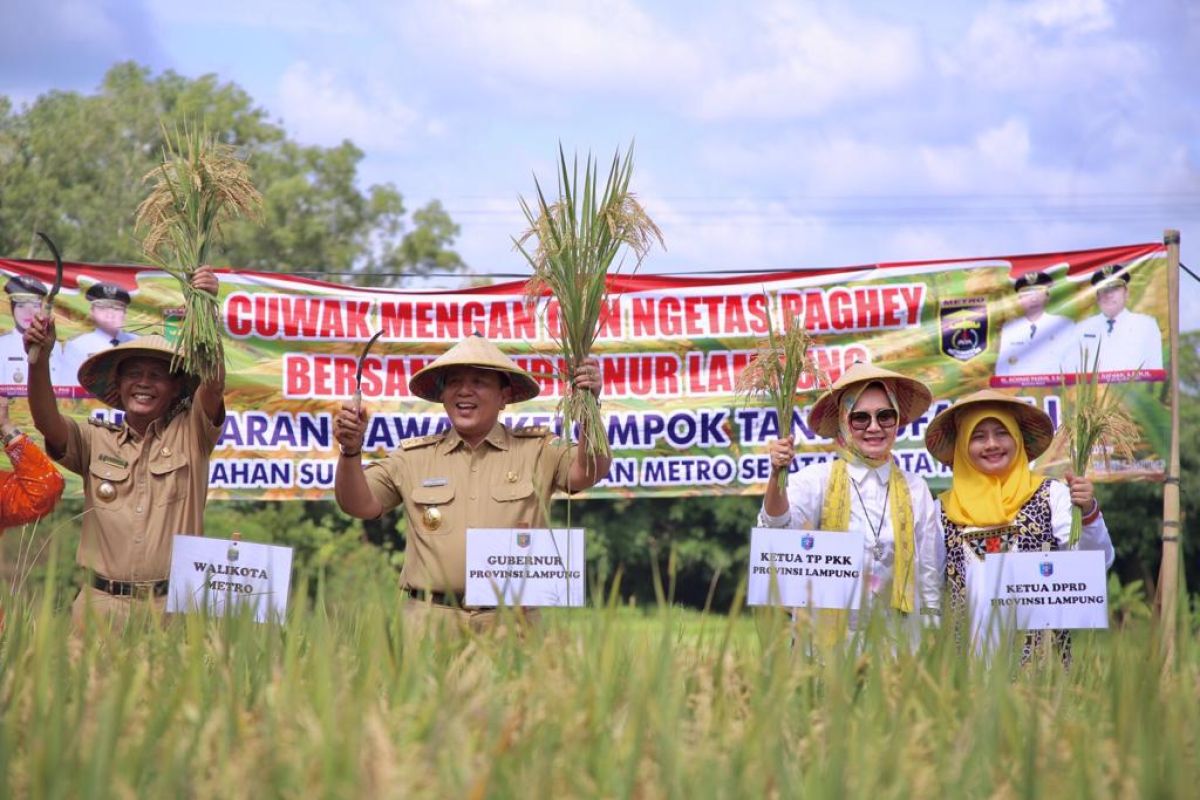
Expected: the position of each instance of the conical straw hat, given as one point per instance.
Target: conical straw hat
(98, 374)
(912, 396)
(1037, 430)
(474, 351)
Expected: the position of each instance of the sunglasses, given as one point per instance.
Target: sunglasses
(886, 417)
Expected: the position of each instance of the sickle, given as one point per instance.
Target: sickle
(358, 372)
(35, 352)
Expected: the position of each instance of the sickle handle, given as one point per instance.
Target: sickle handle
(35, 351)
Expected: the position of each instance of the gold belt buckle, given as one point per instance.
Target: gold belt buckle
(143, 591)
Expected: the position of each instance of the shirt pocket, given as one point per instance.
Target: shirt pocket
(107, 482)
(506, 492)
(433, 508)
(169, 478)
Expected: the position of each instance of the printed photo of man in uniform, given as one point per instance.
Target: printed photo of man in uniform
(1037, 342)
(25, 297)
(1124, 339)
(109, 305)
(145, 479)
(478, 474)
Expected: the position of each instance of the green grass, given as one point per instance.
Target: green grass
(597, 702)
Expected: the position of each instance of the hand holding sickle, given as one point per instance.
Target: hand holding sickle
(349, 425)
(35, 351)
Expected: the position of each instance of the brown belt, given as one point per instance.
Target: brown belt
(124, 589)
(447, 599)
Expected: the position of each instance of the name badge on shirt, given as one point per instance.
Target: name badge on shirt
(113, 460)
(434, 482)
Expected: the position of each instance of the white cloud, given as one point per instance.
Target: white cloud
(570, 46)
(321, 107)
(1062, 46)
(812, 62)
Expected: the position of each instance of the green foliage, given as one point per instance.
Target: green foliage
(72, 165)
(1133, 511)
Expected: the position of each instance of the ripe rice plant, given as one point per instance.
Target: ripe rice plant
(775, 371)
(349, 699)
(200, 184)
(579, 236)
(1093, 416)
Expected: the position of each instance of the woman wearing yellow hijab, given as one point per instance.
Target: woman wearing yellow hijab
(864, 489)
(996, 503)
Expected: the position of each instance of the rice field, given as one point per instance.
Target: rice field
(608, 701)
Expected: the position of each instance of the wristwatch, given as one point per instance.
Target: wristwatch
(8, 437)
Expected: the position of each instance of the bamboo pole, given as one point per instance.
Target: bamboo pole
(1168, 575)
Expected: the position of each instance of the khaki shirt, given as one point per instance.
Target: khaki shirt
(138, 491)
(447, 487)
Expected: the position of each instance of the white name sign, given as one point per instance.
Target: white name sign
(816, 569)
(222, 575)
(525, 567)
(1033, 591)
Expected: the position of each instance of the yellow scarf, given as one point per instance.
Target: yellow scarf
(835, 511)
(835, 516)
(975, 498)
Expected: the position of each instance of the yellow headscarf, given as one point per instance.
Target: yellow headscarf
(975, 498)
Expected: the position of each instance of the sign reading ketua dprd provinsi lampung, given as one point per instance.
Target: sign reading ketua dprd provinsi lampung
(670, 352)
(1041, 590)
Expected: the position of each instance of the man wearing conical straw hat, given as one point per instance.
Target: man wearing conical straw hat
(145, 479)
(997, 504)
(478, 474)
(863, 489)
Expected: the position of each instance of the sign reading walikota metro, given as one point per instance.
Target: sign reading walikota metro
(670, 351)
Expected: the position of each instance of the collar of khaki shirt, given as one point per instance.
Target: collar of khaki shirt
(497, 437)
(128, 434)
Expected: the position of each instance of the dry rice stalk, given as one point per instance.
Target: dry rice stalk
(775, 371)
(200, 184)
(1093, 416)
(579, 236)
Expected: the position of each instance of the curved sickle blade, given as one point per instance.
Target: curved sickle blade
(358, 372)
(35, 352)
(58, 267)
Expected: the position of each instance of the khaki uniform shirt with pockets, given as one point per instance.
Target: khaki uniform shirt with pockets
(138, 491)
(447, 487)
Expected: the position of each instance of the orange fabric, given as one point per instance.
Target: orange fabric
(30, 491)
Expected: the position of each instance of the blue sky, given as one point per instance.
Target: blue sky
(768, 134)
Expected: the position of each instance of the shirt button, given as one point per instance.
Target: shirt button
(139, 509)
(474, 496)
(474, 469)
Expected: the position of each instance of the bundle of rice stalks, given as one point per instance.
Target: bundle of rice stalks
(579, 236)
(1093, 416)
(200, 184)
(775, 371)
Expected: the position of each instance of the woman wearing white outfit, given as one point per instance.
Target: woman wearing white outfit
(864, 490)
(997, 504)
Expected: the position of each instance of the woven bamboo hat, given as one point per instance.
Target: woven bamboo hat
(1037, 430)
(912, 396)
(98, 374)
(474, 351)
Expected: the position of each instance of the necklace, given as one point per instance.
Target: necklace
(876, 530)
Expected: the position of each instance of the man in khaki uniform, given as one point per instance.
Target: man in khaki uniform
(478, 474)
(143, 480)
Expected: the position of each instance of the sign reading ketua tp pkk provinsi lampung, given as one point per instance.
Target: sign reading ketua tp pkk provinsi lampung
(222, 576)
(525, 567)
(814, 569)
(1035, 591)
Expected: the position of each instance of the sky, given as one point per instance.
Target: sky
(767, 135)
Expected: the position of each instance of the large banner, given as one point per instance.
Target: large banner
(671, 351)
